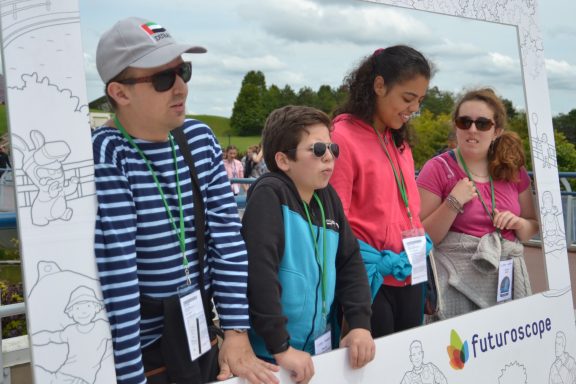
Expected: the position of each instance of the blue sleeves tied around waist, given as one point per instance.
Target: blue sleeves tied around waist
(383, 263)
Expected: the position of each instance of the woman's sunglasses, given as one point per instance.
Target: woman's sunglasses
(164, 81)
(481, 123)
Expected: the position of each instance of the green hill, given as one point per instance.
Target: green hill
(221, 127)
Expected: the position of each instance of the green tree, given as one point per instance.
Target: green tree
(565, 153)
(326, 98)
(431, 135)
(307, 96)
(566, 123)
(289, 97)
(438, 102)
(250, 109)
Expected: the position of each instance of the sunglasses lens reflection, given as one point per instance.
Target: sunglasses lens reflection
(319, 149)
(164, 81)
(482, 123)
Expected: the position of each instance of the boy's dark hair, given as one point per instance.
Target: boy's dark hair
(284, 128)
(395, 64)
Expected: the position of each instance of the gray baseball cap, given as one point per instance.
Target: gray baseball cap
(138, 43)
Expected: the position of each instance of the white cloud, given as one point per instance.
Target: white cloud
(561, 74)
(501, 61)
(304, 20)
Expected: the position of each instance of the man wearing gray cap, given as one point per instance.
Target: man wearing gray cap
(146, 246)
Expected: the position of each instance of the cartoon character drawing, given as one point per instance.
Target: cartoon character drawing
(552, 231)
(422, 373)
(85, 352)
(43, 165)
(513, 373)
(563, 370)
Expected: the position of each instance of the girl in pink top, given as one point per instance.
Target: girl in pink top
(234, 167)
(481, 188)
(374, 177)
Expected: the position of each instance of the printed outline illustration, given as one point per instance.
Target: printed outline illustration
(43, 164)
(66, 334)
(421, 372)
(85, 352)
(563, 369)
(543, 151)
(513, 373)
(552, 228)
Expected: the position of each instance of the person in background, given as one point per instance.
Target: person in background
(247, 161)
(300, 246)
(258, 163)
(234, 168)
(4, 160)
(477, 206)
(374, 178)
(145, 238)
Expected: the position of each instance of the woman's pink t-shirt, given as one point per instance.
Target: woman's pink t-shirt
(441, 173)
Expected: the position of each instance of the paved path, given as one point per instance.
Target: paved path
(537, 270)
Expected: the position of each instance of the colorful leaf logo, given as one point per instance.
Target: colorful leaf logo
(457, 351)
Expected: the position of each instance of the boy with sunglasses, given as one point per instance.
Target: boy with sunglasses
(304, 262)
(146, 242)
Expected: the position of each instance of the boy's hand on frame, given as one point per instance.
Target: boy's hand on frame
(237, 358)
(361, 347)
(298, 363)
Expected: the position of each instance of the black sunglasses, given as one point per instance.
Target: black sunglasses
(319, 149)
(163, 81)
(481, 123)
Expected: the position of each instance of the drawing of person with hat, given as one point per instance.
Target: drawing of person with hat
(85, 352)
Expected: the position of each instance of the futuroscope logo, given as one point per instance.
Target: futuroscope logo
(458, 351)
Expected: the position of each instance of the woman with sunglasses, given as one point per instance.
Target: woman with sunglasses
(375, 179)
(477, 206)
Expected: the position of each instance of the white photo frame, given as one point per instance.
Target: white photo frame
(48, 74)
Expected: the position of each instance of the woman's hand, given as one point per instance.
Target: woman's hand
(464, 191)
(508, 220)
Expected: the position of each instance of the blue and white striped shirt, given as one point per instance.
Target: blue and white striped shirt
(137, 248)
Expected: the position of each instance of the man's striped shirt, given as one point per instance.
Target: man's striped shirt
(137, 247)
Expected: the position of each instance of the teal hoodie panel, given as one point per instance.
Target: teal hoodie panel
(301, 281)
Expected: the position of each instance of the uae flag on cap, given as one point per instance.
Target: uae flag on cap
(152, 28)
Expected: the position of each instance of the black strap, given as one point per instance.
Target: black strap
(199, 216)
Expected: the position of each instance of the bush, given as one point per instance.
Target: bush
(12, 326)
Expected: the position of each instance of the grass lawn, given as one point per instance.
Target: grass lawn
(221, 127)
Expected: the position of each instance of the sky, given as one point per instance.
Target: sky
(316, 42)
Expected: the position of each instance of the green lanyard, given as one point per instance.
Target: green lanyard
(323, 262)
(493, 198)
(180, 232)
(400, 182)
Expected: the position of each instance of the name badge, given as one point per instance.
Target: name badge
(194, 321)
(414, 243)
(505, 280)
(323, 343)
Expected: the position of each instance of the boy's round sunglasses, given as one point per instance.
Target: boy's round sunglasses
(481, 123)
(319, 149)
(164, 81)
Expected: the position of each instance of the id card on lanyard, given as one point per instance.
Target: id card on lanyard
(194, 321)
(323, 342)
(190, 299)
(413, 239)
